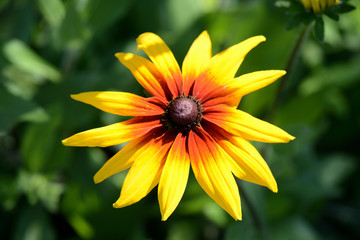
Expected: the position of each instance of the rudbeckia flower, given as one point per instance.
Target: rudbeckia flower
(318, 5)
(191, 119)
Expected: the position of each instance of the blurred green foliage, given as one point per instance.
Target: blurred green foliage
(50, 49)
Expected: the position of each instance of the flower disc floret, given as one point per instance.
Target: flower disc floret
(183, 113)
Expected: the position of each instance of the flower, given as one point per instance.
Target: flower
(191, 119)
(318, 5)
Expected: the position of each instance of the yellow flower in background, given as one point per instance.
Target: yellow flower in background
(191, 119)
(318, 5)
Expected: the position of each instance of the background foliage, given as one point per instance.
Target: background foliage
(50, 49)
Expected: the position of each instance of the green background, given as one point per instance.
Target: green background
(50, 49)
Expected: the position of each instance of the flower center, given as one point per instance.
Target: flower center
(183, 113)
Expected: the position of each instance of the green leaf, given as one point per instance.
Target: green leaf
(3, 3)
(9, 193)
(335, 169)
(181, 20)
(33, 223)
(282, 4)
(53, 11)
(81, 226)
(344, 8)
(14, 110)
(40, 188)
(38, 152)
(20, 83)
(76, 35)
(336, 102)
(341, 75)
(296, 227)
(332, 15)
(24, 58)
(102, 13)
(215, 213)
(246, 230)
(300, 110)
(319, 29)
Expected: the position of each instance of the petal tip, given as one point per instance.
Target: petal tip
(205, 33)
(123, 201)
(142, 37)
(287, 138)
(65, 142)
(75, 96)
(279, 73)
(238, 217)
(123, 56)
(258, 39)
(116, 205)
(164, 218)
(261, 38)
(274, 188)
(290, 138)
(119, 204)
(97, 179)
(165, 214)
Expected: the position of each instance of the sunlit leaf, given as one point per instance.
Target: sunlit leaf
(21, 83)
(53, 11)
(81, 226)
(40, 189)
(23, 57)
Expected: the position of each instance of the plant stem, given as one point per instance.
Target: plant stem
(290, 66)
(258, 222)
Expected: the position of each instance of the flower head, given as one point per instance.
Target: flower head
(319, 5)
(190, 120)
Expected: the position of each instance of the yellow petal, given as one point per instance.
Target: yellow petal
(174, 177)
(121, 103)
(124, 158)
(247, 83)
(214, 175)
(145, 73)
(163, 59)
(145, 172)
(248, 165)
(251, 82)
(223, 66)
(246, 126)
(113, 134)
(244, 160)
(196, 59)
(323, 4)
(315, 5)
(306, 3)
(231, 93)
